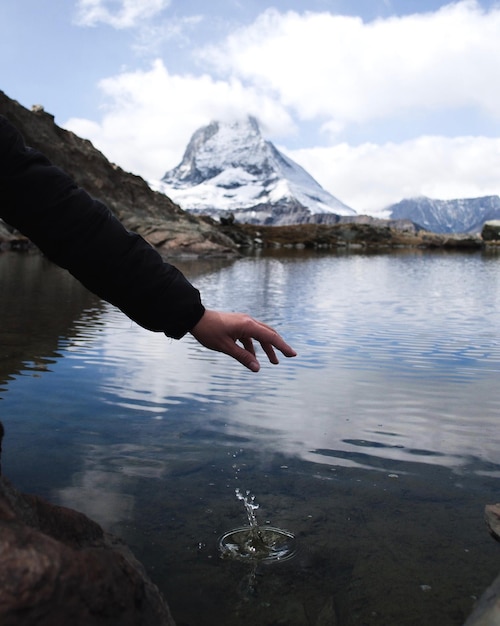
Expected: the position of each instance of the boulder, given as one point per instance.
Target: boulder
(59, 567)
(491, 231)
(492, 518)
(487, 609)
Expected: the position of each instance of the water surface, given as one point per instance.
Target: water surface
(377, 446)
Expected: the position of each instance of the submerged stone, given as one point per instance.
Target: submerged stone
(492, 517)
(60, 567)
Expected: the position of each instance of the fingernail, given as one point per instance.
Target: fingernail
(254, 366)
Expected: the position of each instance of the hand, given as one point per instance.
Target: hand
(220, 331)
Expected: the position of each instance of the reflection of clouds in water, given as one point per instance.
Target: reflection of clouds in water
(264, 288)
(139, 369)
(389, 353)
(147, 371)
(419, 368)
(100, 490)
(445, 426)
(98, 495)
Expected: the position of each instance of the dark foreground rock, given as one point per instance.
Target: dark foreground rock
(58, 568)
(487, 610)
(491, 231)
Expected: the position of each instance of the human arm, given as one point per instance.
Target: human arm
(222, 332)
(80, 234)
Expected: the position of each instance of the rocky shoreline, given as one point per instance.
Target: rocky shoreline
(237, 238)
(354, 234)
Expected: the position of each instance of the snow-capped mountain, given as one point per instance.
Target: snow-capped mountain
(465, 215)
(231, 168)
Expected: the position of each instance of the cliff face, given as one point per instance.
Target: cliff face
(152, 214)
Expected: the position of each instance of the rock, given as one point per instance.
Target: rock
(492, 517)
(59, 567)
(227, 220)
(491, 231)
(11, 240)
(327, 615)
(487, 610)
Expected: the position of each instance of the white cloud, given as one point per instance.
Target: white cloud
(369, 177)
(152, 115)
(117, 13)
(152, 37)
(343, 70)
(338, 73)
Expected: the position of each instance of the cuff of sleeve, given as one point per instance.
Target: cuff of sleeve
(188, 323)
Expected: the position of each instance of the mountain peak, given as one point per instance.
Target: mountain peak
(230, 167)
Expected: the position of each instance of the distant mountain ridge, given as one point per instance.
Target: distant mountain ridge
(231, 168)
(466, 215)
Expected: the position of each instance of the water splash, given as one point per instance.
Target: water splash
(250, 506)
(253, 542)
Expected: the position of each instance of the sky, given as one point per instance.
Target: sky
(379, 100)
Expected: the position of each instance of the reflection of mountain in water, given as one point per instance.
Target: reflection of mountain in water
(31, 322)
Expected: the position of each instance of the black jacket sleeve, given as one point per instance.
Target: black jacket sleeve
(80, 234)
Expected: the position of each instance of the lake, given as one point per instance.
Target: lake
(377, 446)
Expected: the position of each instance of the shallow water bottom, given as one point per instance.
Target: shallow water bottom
(373, 548)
